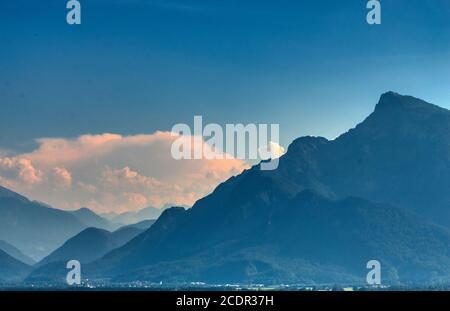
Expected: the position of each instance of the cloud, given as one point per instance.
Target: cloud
(62, 177)
(276, 150)
(21, 169)
(111, 172)
(273, 150)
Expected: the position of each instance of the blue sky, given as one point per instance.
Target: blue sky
(137, 66)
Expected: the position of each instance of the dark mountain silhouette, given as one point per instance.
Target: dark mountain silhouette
(91, 244)
(12, 251)
(34, 228)
(300, 222)
(11, 269)
(91, 219)
(308, 239)
(87, 246)
(400, 154)
(38, 229)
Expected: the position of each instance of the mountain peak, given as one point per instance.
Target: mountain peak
(392, 101)
(84, 210)
(391, 94)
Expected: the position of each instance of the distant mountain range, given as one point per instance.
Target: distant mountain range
(330, 207)
(128, 218)
(89, 245)
(33, 229)
(11, 269)
(143, 225)
(16, 253)
(91, 219)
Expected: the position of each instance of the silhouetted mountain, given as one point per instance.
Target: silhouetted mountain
(12, 251)
(87, 246)
(91, 219)
(129, 218)
(400, 154)
(11, 269)
(91, 244)
(308, 239)
(34, 228)
(263, 225)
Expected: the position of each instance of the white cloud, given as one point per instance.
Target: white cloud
(111, 172)
(273, 149)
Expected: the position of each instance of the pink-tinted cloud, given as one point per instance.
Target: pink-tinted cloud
(111, 172)
(22, 169)
(62, 177)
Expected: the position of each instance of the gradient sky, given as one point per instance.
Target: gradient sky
(136, 66)
(139, 66)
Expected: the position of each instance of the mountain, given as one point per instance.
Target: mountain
(143, 225)
(128, 218)
(32, 227)
(6, 193)
(308, 239)
(15, 253)
(87, 246)
(91, 219)
(91, 244)
(11, 269)
(304, 222)
(400, 154)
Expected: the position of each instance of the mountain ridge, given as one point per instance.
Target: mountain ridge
(367, 162)
(90, 244)
(92, 219)
(11, 269)
(12, 251)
